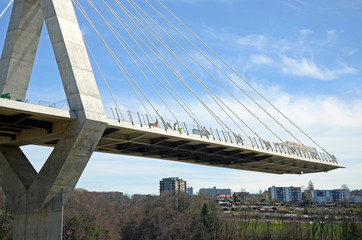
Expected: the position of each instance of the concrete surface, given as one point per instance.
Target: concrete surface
(37, 199)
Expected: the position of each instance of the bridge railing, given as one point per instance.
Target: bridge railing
(144, 120)
(60, 105)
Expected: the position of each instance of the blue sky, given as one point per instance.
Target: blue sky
(304, 56)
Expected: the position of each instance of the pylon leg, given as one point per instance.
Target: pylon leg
(20, 47)
(16, 176)
(37, 198)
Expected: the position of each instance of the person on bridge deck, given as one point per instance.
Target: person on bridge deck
(178, 129)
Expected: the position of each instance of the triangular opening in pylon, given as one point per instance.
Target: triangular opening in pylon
(45, 86)
(66, 46)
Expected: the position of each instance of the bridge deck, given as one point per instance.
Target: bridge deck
(23, 124)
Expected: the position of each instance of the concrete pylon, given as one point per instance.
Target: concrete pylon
(37, 199)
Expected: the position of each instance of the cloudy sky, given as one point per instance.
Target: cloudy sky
(304, 56)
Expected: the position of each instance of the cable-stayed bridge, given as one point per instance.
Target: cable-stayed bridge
(151, 50)
(137, 136)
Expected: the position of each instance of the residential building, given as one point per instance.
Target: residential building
(355, 196)
(226, 200)
(111, 195)
(285, 194)
(330, 196)
(173, 184)
(322, 196)
(345, 192)
(213, 192)
(356, 192)
(355, 199)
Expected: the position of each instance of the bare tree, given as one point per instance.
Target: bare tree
(310, 185)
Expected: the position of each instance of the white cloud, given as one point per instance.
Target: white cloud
(329, 119)
(301, 64)
(308, 68)
(350, 53)
(305, 32)
(256, 41)
(260, 59)
(331, 36)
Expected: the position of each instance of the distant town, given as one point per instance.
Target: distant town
(281, 212)
(273, 194)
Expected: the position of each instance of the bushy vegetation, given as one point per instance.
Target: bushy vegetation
(179, 216)
(6, 220)
(93, 216)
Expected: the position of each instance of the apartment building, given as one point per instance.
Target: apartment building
(173, 184)
(285, 194)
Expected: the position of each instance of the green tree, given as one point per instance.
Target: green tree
(206, 217)
(84, 228)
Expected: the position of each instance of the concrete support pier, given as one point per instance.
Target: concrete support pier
(37, 199)
(32, 221)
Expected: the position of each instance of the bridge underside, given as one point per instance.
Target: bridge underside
(23, 124)
(211, 153)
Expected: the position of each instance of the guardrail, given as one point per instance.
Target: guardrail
(60, 105)
(144, 120)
